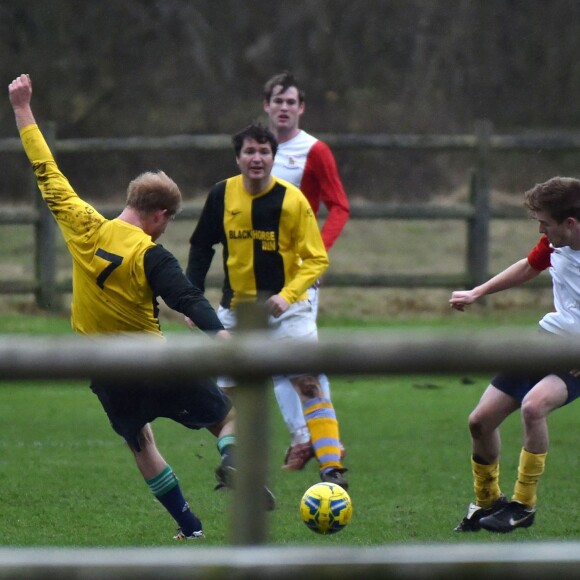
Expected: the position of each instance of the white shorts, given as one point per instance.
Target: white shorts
(297, 323)
(313, 298)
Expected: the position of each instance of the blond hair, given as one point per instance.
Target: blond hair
(152, 191)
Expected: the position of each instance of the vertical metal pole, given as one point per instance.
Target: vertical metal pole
(478, 225)
(45, 234)
(252, 403)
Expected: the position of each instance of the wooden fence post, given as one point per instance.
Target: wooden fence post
(252, 402)
(45, 232)
(478, 224)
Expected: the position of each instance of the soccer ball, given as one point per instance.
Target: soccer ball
(326, 508)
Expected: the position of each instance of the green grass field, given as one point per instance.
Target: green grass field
(67, 479)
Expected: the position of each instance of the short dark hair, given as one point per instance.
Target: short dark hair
(152, 191)
(257, 132)
(285, 80)
(559, 197)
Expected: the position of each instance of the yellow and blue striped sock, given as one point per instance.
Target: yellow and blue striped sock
(323, 426)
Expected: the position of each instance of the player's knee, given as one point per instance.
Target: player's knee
(532, 410)
(476, 425)
(228, 421)
(308, 386)
(145, 438)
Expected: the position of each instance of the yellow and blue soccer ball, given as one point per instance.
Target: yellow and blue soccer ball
(326, 508)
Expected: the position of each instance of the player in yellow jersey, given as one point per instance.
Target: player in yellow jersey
(273, 252)
(118, 273)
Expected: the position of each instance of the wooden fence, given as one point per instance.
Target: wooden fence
(253, 354)
(477, 213)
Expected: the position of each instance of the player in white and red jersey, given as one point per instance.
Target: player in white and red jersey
(555, 204)
(307, 163)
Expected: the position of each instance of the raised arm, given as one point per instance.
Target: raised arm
(20, 94)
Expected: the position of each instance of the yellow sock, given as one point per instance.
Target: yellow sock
(323, 427)
(530, 469)
(485, 483)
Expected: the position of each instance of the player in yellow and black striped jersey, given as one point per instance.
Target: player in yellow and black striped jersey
(118, 273)
(271, 242)
(272, 253)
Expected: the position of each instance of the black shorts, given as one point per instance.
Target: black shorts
(518, 386)
(196, 404)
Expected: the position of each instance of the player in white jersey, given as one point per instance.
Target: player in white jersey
(307, 163)
(555, 204)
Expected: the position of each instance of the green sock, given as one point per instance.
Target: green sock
(226, 445)
(163, 482)
(165, 487)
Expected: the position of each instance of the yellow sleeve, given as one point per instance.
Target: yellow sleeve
(311, 251)
(75, 217)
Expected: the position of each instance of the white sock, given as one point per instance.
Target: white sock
(289, 403)
(301, 436)
(291, 406)
(325, 384)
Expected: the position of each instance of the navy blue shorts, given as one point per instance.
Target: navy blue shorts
(518, 386)
(197, 404)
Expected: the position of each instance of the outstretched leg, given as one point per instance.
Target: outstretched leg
(164, 484)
